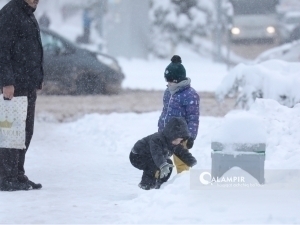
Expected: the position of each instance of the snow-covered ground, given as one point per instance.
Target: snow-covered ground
(87, 176)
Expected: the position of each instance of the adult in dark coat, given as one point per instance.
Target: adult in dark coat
(21, 74)
(152, 153)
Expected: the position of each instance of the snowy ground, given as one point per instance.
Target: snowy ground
(87, 177)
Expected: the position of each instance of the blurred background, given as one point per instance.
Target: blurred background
(136, 29)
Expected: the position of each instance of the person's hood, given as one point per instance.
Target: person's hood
(176, 128)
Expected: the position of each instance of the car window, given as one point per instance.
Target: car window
(52, 44)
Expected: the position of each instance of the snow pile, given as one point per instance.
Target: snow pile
(240, 127)
(273, 79)
(283, 131)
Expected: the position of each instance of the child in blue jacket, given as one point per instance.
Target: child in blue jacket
(180, 100)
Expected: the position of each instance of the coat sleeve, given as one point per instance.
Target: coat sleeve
(7, 40)
(160, 123)
(192, 114)
(157, 154)
(185, 156)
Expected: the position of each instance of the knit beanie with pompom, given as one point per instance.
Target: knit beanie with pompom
(175, 71)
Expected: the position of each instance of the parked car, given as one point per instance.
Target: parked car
(70, 69)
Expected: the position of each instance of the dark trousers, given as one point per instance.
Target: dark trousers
(12, 160)
(144, 163)
(147, 164)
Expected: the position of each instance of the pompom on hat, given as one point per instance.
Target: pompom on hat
(175, 71)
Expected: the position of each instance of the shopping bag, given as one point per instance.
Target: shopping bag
(13, 115)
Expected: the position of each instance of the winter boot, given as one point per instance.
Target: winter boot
(24, 179)
(12, 184)
(148, 182)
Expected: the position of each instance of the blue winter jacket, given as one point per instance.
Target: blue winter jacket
(184, 103)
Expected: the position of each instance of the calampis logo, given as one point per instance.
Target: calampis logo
(207, 179)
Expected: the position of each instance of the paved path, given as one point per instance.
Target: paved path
(64, 108)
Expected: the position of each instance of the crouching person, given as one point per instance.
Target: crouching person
(152, 153)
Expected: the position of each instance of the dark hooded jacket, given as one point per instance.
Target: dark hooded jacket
(159, 145)
(21, 51)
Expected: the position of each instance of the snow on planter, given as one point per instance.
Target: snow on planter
(240, 131)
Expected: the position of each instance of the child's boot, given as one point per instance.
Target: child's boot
(148, 181)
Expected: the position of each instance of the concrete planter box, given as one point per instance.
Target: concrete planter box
(249, 157)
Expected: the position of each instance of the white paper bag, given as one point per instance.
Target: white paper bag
(13, 115)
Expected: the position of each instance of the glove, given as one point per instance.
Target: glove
(165, 170)
(190, 142)
(185, 156)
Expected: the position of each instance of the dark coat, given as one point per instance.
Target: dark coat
(184, 103)
(21, 51)
(159, 145)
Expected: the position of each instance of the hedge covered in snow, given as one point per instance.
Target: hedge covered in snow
(273, 79)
